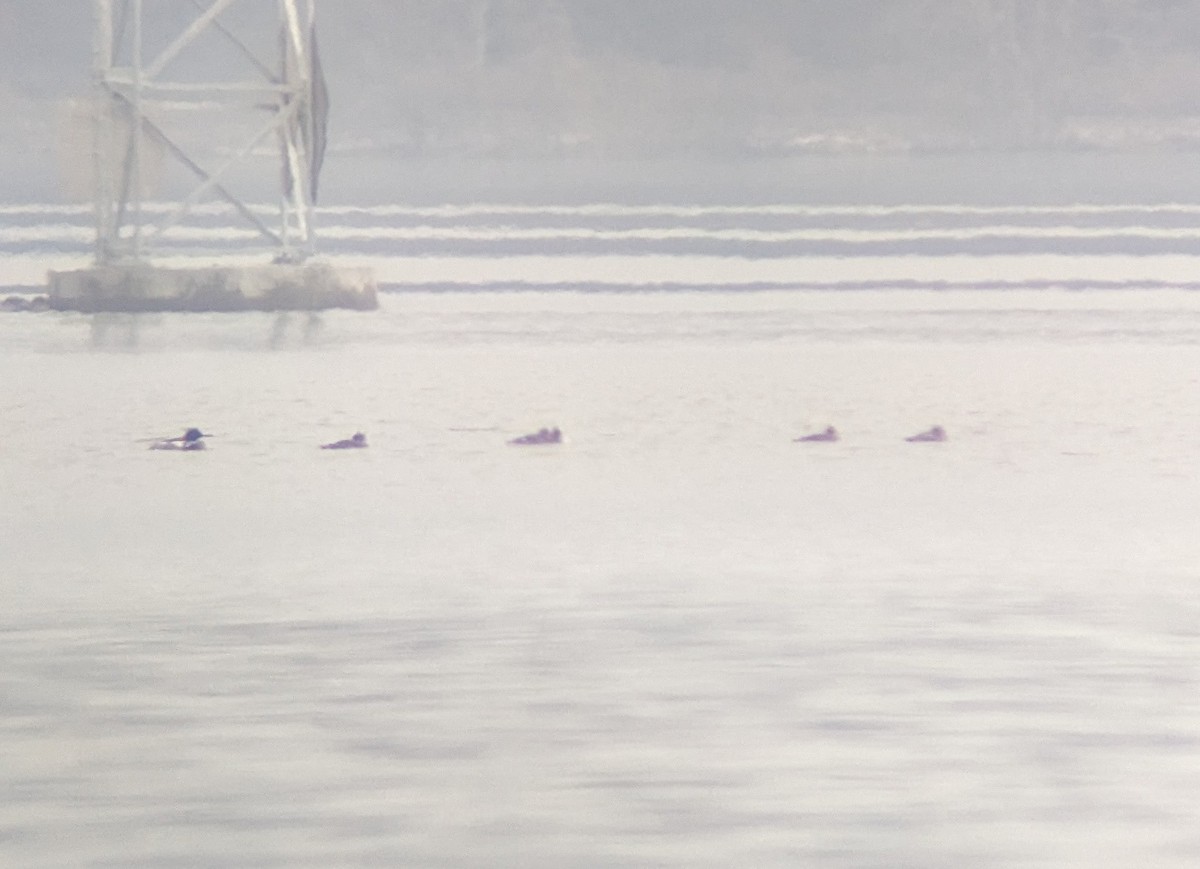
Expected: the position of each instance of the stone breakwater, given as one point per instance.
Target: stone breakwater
(136, 288)
(17, 304)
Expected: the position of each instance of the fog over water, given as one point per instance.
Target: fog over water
(686, 232)
(678, 639)
(863, 99)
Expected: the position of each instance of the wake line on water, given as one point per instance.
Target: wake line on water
(79, 234)
(618, 210)
(996, 252)
(1066, 233)
(467, 287)
(731, 271)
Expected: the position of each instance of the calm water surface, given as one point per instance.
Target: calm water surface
(678, 640)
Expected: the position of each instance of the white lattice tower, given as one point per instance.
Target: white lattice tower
(283, 92)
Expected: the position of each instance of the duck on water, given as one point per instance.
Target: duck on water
(541, 436)
(190, 441)
(937, 434)
(822, 437)
(358, 442)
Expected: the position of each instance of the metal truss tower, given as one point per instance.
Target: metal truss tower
(282, 92)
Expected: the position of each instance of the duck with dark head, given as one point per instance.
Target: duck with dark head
(358, 442)
(190, 441)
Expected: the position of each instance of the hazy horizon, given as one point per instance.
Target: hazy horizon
(862, 99)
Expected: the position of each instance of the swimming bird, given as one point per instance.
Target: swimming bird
(541, 436)
(189, 441)
(937, 434)
(828, 436)
(359, 441)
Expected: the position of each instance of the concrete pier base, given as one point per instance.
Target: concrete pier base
(142, 287)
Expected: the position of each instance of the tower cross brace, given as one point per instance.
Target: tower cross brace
(132, 86)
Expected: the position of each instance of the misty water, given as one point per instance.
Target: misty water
(679, 639)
